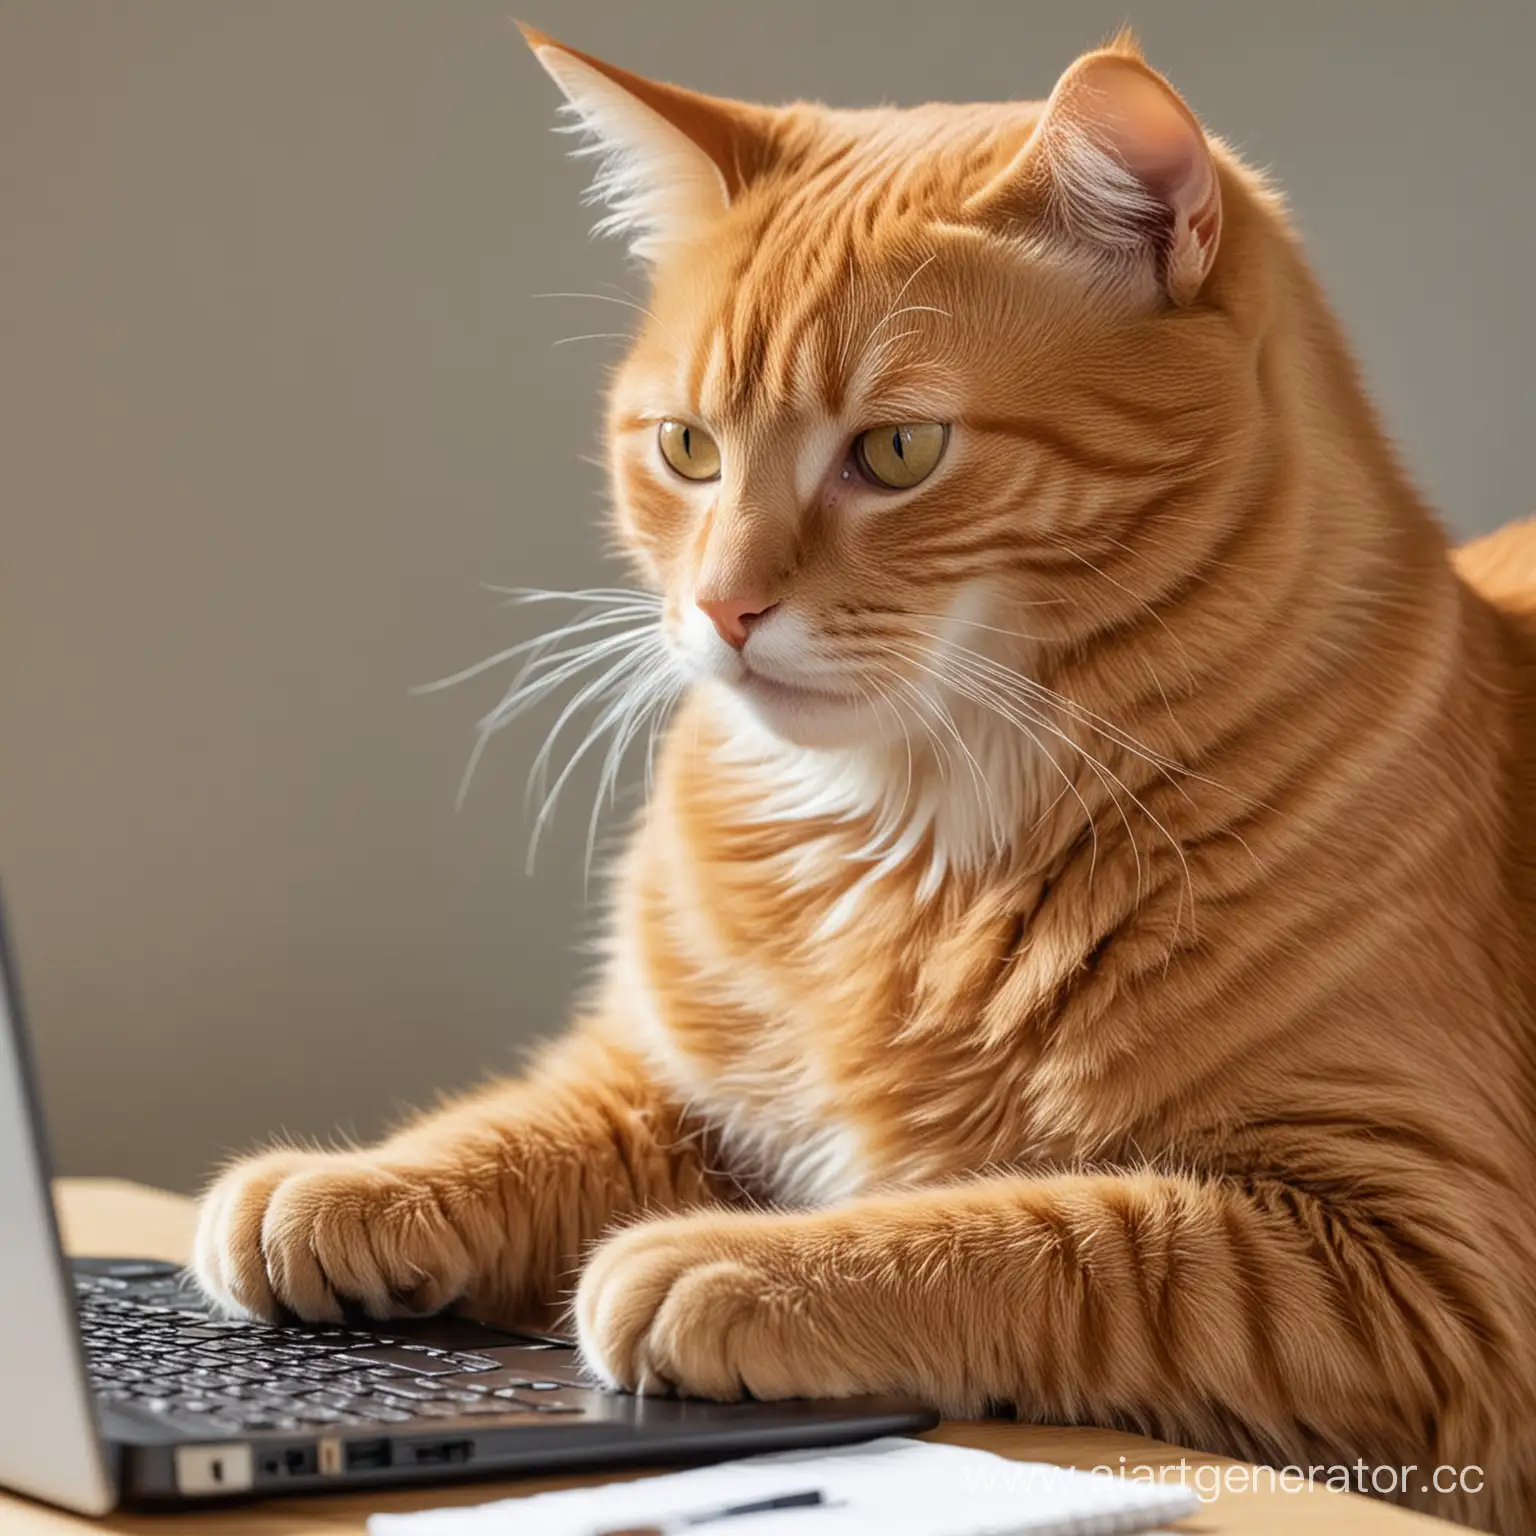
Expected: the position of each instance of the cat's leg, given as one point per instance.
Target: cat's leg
(1202, 1311)
(491, 1200)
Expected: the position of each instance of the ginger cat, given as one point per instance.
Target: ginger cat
(1076, 956)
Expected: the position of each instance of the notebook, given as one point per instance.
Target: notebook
(912, 1486)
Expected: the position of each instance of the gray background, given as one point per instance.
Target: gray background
(275, 397)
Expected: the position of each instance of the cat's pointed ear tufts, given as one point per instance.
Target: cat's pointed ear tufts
(1125, 43)
(669, 160)
(1119, 173)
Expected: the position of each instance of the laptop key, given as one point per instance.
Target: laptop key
(411, 1360)
(251, 1373)
(487, 1381)
(546, 1402)
(410, 1391)
(554, 1365)
(490, 1405)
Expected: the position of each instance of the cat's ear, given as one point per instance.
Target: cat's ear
(670, 160)
(1118, 174)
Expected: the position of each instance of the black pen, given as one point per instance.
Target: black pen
(806, 1500)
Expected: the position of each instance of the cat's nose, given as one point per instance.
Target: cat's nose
(732, 616)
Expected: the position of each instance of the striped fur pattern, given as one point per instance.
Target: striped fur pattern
(1076, 956)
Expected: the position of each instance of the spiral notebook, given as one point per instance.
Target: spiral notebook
(912, 1486)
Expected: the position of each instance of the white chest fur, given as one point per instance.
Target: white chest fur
(783, 1154)
(775, 1135)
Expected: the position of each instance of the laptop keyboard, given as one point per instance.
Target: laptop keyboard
(149, 1345)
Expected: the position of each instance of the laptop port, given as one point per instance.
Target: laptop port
(365, 1455)
(300, 1461)
(444, 1451)
(210, 1469)
(290, 1461)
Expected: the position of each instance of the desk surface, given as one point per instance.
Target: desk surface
(109, 1217)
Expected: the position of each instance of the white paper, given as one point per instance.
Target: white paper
(913, 1487)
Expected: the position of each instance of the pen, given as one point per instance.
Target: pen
(806, 1500)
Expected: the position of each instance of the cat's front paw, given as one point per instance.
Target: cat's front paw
(311, 1233)
(721, 1306)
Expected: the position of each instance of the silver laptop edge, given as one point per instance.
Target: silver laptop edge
(50, 1445)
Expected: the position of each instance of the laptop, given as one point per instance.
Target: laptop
(123, 1388)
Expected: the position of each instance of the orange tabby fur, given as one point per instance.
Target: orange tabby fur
(1142, 1035)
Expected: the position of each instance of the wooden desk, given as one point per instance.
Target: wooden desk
(109, 1217)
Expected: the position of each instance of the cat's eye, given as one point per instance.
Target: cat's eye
(689, 450)
(903, 454)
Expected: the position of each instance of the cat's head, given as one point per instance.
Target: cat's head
(905, 376)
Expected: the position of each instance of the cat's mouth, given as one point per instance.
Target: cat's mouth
(818, 708)
(761, 686)
(808, 715)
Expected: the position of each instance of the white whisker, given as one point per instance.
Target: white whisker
(961, 681)
(978, 776)
(627, 303)
(522, 696)
(563, 666)
(588, 693)
(605, 721)
(638, 599)
(1147, 607)
(890, 312)
(536, 645)
(619, 633)
(650, 696)
(978, 694)
(1016, 682)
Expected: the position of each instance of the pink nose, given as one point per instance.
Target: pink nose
(732, 615)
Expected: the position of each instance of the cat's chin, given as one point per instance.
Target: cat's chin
(805, 717)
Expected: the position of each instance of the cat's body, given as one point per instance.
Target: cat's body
(1141, 1035)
